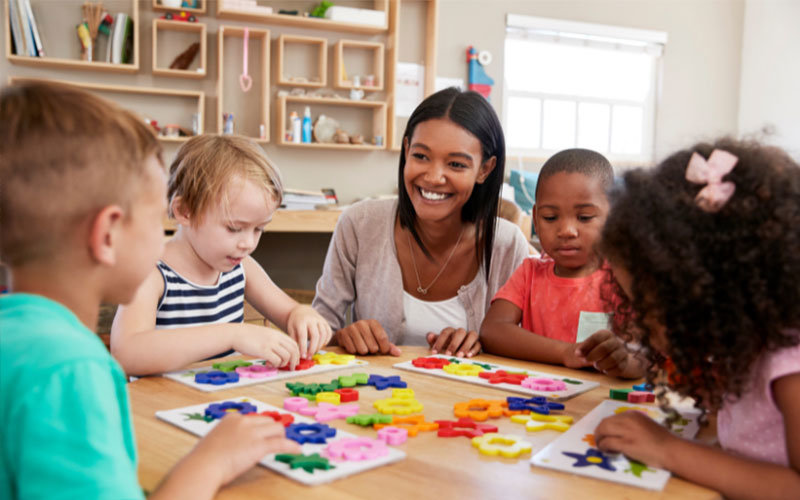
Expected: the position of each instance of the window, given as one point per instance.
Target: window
(569, 84)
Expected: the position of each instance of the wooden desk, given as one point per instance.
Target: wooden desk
(447, 468)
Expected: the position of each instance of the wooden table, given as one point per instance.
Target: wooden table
(447, 468)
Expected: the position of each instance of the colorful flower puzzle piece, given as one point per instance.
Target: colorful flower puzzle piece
(332, 358)
(479, 409)
(543, 384)
(464, 370)
(310, 433)
(591, 457)
(219, 410)
(353, 380)
(381, 383)
(346, 395)
(365, 420)
(324, 412)
(413, 424)
(463, 427)
(503, 377)
(216, 377)
(256, 371)
(284, 419)
(494, 444)
(393, 435)
(430, 363)
(535, 422)
(229, 366)
(398, 406)
(333, 398)
(303, 364)
(360, 448)
(538, 404)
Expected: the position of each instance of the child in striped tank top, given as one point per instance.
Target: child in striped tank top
(223, 191)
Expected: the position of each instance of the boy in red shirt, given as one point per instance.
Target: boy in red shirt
(559, 296)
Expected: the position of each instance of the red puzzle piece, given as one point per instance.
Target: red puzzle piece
(430, 363)
(463, 427)
(641, 397)
(347, 395)
(501, 376)
(284, 419)
(303, 364)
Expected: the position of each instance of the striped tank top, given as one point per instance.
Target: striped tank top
(185, 304)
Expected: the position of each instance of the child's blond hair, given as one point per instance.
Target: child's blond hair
(206, 164)
(64, 154)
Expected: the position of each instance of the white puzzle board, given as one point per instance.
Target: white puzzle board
(179, 417)
(575, 387)
(575, 440)
(187, 376)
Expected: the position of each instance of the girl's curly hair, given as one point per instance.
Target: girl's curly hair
(725, 285)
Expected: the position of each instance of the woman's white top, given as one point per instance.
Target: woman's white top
(423, 317)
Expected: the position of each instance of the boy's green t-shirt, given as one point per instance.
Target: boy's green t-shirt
(65, 423)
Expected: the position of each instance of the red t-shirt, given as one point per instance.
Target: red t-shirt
(551, 305)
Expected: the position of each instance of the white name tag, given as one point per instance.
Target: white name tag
(591, 322)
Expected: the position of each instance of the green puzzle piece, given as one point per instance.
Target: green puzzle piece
(331, 386)
(570, 381)
(229, 366)
(299, 388)
(306, 462)
(637, 468)
(367, 420)
(485, 366)
(353, 380)
(198, 416)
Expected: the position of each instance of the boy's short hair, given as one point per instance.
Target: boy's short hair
(580, 161)
(205, 165)
(64, 154)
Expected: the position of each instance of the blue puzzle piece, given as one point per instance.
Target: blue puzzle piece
(310, 433)
(591, 457)
(218, 410)
(643, 387)
(382, 383)
(216, 377)
(538, 404)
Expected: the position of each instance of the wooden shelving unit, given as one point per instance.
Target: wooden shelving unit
(311, 23)
(321, 45)
(378, 121)
(339, 69)
(200, 9)
(66, 63)
(103, 89)
(261, 69)
(183, 27)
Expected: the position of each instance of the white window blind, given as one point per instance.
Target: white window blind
(570, 84)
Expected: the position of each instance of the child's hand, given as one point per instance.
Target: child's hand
(608, 354)
(308, 329)
(277, 348)
(455, 342)
(571, 357)
(366, 336)
(238, 442)
(636, 435)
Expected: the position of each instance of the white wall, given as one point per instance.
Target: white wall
(770, 80)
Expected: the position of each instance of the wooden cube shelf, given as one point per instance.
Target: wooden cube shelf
(116, 93)
(60, 52)
(252, 117)
(200, 9)
(199, 30)
(321, 46)
(343, 79)
(378, 109)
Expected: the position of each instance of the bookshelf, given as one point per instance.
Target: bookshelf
(195, 31)
(226, 11)
(158, 6)
(343, 78)
(50, 18)
(308, 45)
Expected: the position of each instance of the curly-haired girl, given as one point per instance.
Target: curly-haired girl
(707, 249)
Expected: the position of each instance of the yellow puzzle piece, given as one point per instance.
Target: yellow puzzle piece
(463, 370)
(398, 406)
(332, 358)
(403, 393)
(536, 422)
(333, 398)
(494, 444)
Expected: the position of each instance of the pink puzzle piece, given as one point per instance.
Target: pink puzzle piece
(256, 371)
(356, 449)
(543, 384)
(326, 411)
(393, 435)
(641, 397)
(295, 404)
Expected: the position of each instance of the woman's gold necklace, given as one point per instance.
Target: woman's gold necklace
(424, 291)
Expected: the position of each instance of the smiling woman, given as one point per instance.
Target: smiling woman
(421, 270)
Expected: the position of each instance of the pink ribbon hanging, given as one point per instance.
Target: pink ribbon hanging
(245, 82)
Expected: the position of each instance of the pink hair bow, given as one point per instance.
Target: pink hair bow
(710, 172)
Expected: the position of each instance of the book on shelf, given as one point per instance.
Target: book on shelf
(296, 199)
(37, 39)
(121, 40)
(22, 28)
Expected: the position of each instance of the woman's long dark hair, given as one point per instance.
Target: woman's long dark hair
(473, 113)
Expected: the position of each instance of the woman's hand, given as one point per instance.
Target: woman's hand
(608, 354)
(458, 342)
(366, 336)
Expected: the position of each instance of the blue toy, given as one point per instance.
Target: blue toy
(479, 81)
(643, 387)
(538, 404)
(310, 433)
(216, 377)
(382, 383)
(218, 410)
